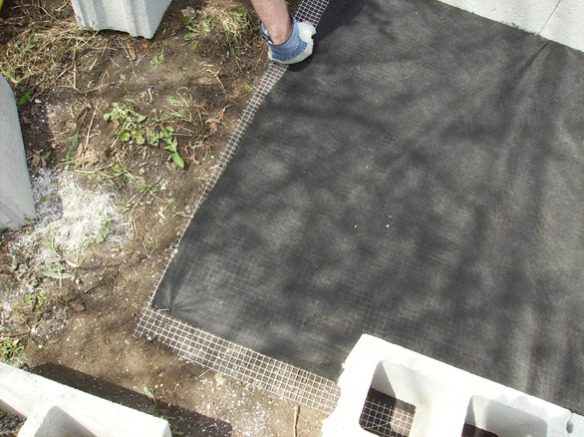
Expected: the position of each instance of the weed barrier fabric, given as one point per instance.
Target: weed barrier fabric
(421, 179)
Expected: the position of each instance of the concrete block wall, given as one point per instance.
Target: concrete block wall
(53, 409)
(556, 20)
(445, 398)
(16, 199)
(136, 17)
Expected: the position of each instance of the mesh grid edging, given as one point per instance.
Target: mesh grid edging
(238, 362)
(214, 352)
(385, 416)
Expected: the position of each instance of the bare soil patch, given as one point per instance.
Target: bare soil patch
(108, 121)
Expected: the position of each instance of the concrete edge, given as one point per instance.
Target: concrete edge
(45, 403)
(442, 394)
(556, 20)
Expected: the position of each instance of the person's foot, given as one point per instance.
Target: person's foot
(296, 48)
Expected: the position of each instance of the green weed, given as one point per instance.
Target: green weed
(36, 301)
(130, 123)
(56, 266)
(25, 98)
(104, 232)
(197, 28)
(144, 187)
(154, 403)
(9, 348)
(74, 144)
(133, 127)
(157, 61)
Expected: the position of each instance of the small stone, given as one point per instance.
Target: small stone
(77, 306)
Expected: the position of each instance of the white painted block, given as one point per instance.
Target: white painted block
(529, 15)
(557, 20)
(136, 17)
(566, 25)
(444, 397)
(16, 199)
(52, 421)
(576, 426)
(53, 409)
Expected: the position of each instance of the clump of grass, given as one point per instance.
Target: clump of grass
(236, 24)
(39, 46)
(9, 348)
(197, 27)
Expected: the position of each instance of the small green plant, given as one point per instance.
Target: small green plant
(36, 301)
(130, 123)
(135, 127)
(157, 61)
(196, 28)
(56, 265)
(172, 147)
(9, 348)
(154, 403)
(249, 88)
(117, 172)
(25, 98)
(74, 144)
(104, 231)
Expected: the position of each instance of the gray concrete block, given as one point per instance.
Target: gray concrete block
(136, 17)
(16, 199)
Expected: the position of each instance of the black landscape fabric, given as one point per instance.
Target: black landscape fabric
(420, 178)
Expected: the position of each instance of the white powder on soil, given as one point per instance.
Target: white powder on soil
(71, 216)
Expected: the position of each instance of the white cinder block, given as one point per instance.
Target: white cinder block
(566, 24)
(529, 15)
(53, 409)
(16, 199)
(136, 17)
(556, 20)
(445, 398)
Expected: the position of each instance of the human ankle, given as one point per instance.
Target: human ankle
(280, 34)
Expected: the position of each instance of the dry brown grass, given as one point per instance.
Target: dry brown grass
(41, 44)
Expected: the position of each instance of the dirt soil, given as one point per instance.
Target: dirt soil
(96, 117)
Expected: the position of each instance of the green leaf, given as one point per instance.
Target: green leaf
(187, 20)
(74, 142)
(148, 393)
(178, 160)
(25, 97)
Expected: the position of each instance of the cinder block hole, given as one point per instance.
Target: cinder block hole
(473, 431)
(386, 416)
(489, 417)
(58, 422)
